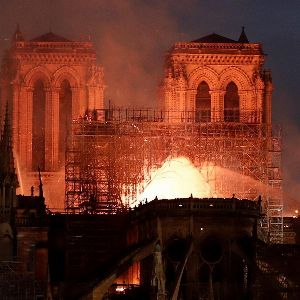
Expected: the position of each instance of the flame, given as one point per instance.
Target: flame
(177, 178)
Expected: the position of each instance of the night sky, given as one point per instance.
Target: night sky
(131, 39)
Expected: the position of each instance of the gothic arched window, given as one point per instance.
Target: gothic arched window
(231, 103)
(65, 118)
(203, 103)
(38, 126)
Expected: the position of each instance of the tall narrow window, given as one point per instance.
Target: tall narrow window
(231, 103)
(203, 103)
(65, 119)
(38, 126)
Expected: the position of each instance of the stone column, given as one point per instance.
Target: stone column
(190, 106)
(191, 100)
(259, 105)
(220, 107)
(180, 104)
(51, 128)
(15, 116)
(24, 153)
(55, 130)
(245, 108)
(91, 97)
(268, 102)
(27, 134)
(76, 110)
(81, 100)
(168, 102)
(217, 105)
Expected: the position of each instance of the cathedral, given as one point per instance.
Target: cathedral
(213, 108)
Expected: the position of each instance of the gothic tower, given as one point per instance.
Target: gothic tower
(8, 185)
(48, 81)
(8, 177)
(214, 79)
(220, 86)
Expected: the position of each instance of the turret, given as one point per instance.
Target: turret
(18, 37)
(8, 176)
(243, 37)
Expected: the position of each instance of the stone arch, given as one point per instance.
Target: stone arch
(38, 73)
(236, 75)
(66, 73)
(232, 103)
(203, 102)
(203, 74)
(246, 91)
(6, 241)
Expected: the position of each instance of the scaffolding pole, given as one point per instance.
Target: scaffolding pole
(110, 160)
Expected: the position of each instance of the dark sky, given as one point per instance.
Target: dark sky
(131, 38)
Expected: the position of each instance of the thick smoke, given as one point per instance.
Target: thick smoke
(131, 37)
(291, 166)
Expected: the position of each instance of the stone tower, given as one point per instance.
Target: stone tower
(8, 185)
(219, 85)
(8, 176)
(215, 79)
(48, 81)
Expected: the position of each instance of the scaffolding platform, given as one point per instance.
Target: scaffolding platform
(112, 154)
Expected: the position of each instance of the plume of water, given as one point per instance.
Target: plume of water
(19, 174)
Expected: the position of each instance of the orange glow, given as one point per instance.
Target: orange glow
(131, 276)
(177, 178)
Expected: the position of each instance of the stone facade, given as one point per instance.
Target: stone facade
(218, 62)
(36, 75)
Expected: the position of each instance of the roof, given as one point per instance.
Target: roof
(50, 37)
(214, 38)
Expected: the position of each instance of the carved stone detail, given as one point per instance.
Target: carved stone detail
(217, 64)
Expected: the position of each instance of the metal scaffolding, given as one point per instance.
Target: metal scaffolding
(111, 156)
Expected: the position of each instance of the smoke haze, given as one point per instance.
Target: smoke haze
(131, 38)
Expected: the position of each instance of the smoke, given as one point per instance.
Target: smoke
(291, 166)
(132, 36)
(53, 187)
(131, 47)
(179, 178)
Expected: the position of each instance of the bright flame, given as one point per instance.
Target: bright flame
(177, 178)
(120, 289)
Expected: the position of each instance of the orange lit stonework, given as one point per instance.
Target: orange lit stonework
(216, 62)
(48, 81)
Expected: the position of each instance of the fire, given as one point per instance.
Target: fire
(177, 178)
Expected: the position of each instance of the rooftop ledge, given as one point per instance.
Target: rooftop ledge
(233, 46)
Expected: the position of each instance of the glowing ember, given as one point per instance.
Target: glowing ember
(177, 178)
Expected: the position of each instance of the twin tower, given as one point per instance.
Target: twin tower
(49, 81)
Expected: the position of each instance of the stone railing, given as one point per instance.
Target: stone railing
(231, 46)
(205, 205)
